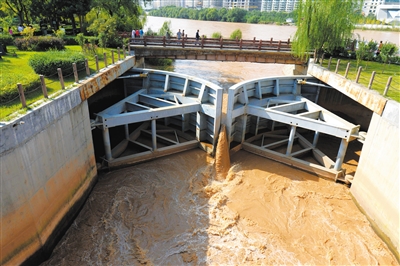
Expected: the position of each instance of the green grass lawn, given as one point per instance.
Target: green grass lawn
(16, 69)
(383, 72)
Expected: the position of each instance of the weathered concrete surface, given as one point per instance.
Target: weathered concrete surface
(47, 166)
(376, 183)
(369, 98)
(217, 54)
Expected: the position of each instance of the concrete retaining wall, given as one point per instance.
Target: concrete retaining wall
(375, 187)
(47, 165)
(376, 183)
(48, 168)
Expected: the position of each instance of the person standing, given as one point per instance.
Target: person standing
(379, 48)
(183, 34)
(179, 34)
(197, 37)
(133, 33)
(141, 33)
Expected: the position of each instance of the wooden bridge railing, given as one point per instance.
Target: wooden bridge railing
(261, 45)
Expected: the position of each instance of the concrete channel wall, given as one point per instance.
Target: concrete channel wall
(376, 185)
(48, 168)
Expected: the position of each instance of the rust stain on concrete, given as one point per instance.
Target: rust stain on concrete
(29, 226)
(369, 98)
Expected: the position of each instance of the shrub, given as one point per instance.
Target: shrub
(47, 63)
(216, 35)
(70, 40)
(6, 39)
(28, 32)
(41, 43)
(236, 34)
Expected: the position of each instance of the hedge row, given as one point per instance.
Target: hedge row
(42, 43)
(47, 63)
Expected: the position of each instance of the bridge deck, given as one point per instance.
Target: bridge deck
(257, 51)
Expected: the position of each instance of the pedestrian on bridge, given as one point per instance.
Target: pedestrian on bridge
(197, 37)
(133, 33)
(179, 34)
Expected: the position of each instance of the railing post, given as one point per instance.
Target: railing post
(322, 60)
(129, 49)
(254, 40)
(241, 43)
(259, 45)
(44, 89)
(60, 76)
(347, 70)
(87, 67)
(163, 40)
(145, 41)
(119, 53)
(202, 41)
(329, 63)
(183, 42)
(288, 41)
(371, 80)
(112, 57)
(21, 94)
(358, 73)
(123, 52)
(271, 41)
(387, 86)
(221, 43)
(75, 72)
(105, 59)
(279, 45)
(337, 65)
(97, 63)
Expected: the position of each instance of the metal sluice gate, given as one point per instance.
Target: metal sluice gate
(165, 113)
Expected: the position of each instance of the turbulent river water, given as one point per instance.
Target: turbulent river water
(189, 209)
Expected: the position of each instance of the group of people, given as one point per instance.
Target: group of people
(137, 33)
(20, 29)
(180, 34)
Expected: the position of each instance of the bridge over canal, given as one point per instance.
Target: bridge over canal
(212, 49)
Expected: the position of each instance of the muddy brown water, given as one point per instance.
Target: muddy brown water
(179, 210)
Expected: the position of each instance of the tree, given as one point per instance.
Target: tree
(324, 25)
(387, 51)
(20, 8)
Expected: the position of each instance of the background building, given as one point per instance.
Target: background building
(243, 4)
(388, 13)
(279, 5)
(212, 3)
(372, 6)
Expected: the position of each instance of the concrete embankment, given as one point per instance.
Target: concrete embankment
(48, 168)
(376, 187)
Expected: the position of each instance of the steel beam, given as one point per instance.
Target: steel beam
(145, 115)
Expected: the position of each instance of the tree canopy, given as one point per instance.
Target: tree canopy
(222, 14)
(324, 25)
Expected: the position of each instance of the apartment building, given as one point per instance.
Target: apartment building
(243, 4)
(279, 5)
(212, 4)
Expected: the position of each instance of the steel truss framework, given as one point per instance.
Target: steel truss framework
(259, 106)
(163, 112)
